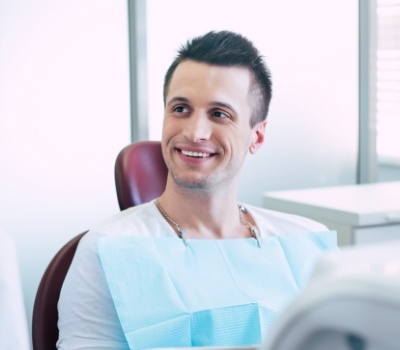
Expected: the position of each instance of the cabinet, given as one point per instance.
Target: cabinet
(359, 213)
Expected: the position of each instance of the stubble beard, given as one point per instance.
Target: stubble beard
(193, 184)
(209, 182)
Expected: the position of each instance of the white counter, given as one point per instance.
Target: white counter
(359, 213)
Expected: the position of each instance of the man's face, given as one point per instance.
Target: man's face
(206, 132)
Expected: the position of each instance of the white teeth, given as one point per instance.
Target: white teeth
(196, 154)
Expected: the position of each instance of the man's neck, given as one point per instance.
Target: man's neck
(203, 213)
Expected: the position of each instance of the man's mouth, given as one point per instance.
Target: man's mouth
(195, 154)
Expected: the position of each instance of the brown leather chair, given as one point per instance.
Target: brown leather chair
(140, 176)
(45, 314)
(140, 173)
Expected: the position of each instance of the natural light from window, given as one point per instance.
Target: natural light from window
(388, 81)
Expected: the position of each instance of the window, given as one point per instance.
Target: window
(388, 81)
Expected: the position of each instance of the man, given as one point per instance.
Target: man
(194, 267)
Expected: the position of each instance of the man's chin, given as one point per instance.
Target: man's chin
(194, 184)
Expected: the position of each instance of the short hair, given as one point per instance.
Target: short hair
(229, 49)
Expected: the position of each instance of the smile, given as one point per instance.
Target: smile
(195, 154)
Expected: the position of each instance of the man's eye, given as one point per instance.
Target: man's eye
(180, 109)
(220, 114)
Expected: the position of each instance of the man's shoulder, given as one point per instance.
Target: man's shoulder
(277, 223)
(138, 220)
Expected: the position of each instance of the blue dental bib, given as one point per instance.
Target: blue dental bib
(212, 292)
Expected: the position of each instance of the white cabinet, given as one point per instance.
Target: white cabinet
(359, 213)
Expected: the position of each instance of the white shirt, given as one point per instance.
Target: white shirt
(87, 316)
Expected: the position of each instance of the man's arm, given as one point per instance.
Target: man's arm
(87, 316)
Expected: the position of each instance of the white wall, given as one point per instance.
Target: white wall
(64, 116)
(311, 47)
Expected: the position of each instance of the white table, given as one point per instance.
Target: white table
(13, 322)
(359, 213)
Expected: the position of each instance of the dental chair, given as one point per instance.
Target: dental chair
(140, 176)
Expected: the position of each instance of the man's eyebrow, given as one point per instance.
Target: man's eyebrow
(212, 103)
(178, 99)
(222, 104)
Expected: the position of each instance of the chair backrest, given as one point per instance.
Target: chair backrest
(140, 176)
(45, 314)
(140, 173)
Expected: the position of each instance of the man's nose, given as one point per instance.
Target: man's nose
(198, 127)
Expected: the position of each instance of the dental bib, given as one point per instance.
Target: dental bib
(212, 292)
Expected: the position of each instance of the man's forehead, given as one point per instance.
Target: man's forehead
(203, 75)
(188, 66)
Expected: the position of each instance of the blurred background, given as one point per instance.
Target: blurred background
(79, 80)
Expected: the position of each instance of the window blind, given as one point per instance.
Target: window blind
(388, 81)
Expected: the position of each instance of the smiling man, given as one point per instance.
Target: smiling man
(194, 267)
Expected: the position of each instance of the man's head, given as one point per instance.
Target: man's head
(228, 49)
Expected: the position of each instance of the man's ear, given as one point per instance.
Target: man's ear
(258, 136)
